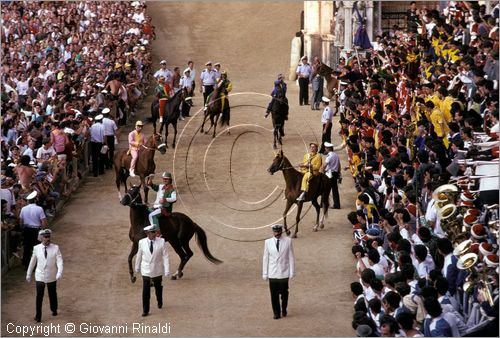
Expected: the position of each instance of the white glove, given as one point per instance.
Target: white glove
(28, 279)
(167, 274)
(138, 270)
(264, 278)
(58, 276)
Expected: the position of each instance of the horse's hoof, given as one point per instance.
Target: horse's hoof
(173, 145)
(321, 226)
(133, 279)
(294, 236)
(315, 229)
(173, 277)
(201, 131)
(206, 133)
(288, 232)
(179, 275)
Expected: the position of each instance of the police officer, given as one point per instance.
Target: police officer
(303, 73)
(207, 81)
(165, 72)
(217, 70)
(332, 170)
(110, 132)
(326, 121)
(96, 143)
(32, 219)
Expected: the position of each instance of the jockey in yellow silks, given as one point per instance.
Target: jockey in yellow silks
(310, 167)
(225, 87)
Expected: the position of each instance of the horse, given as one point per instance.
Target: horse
(177, 229)
(145, 163)
(332, 83)
(279, 113)
(318, 186)
(214, 110)
(172, 112)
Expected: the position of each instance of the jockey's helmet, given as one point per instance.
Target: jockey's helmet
(166, 174)
(223, 74)
(139, 123)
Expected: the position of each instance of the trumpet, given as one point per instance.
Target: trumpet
(484, 290)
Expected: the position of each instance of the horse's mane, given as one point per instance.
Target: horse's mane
(324, 70)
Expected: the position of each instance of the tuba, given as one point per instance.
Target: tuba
(445, 197)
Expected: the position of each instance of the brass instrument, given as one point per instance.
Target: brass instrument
(485, 291)
(445, 197)
(411, 130)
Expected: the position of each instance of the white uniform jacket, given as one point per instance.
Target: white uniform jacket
(155, 264)
(48, 269)
(278, 264)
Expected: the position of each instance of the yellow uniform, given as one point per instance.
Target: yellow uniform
(314, 163)
(445, 108)
(440, 126)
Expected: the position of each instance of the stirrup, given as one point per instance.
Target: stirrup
(302, 196)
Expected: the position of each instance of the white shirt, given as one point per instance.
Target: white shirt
(97, 133)
(431, 215)
(6, 194)
(304, 70)
(32, 215)
(22, 87)
(165, 73)
(44, 154)
(109, 126)
(208, 78)
(327, 115)
(447, 262)
(332, 163)
(186, 82)
(424, 267)
(138, 17)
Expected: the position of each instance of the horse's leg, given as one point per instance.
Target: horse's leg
(166, 134)
(189, 254)
(289, 204)
(146, 189)
(175, 133)
(211, 124)
(314, 202)
(215, 124)
(133, 252)
(297, 219)
(324, 204)
(275, 136)
(176, 244)
(204, 120)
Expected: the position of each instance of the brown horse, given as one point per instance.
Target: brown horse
(177, 229)
(332, 83)
(318, 186)
(214, 110)
(145, 163)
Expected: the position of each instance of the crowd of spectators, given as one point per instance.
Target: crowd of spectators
(419, 116)
(58, 59)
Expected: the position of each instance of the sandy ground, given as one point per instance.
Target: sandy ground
(224, 186)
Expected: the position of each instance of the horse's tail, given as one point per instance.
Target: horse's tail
(154, 110)
(201, 239)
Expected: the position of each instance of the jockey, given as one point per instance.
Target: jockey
(166, 196)
(277, 84)
(309, 167)
(225, 85)
(162, 91)
(136, 139)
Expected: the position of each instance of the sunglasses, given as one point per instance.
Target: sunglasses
(45, 235)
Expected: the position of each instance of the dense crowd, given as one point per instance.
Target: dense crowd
(419, 116)
(63, 64)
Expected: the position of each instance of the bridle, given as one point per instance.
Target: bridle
(280, 167)
(155, 148)
(132, 200)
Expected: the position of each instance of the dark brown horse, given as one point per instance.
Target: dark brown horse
(172, 112)
(214, 110)
(145, 163)
(279, 113)
(177, 229)
(318, 186)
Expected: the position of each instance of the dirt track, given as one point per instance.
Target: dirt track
(224, 186)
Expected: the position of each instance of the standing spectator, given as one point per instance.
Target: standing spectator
(58, 138)
(49, 268)
(96, 143)
(176, 79)
(187, 83)
(332, 170)
(135, 141)
(217, 70)
(152, 263)
(303, 73)
(163, 71)
(110, 134)
(32, 218)
(278, 265)
(412, 20)
(192, 75)
(326, 121)
(316, 84)
(207, 81)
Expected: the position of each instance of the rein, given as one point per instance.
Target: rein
(285, 168)
(132, 200)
